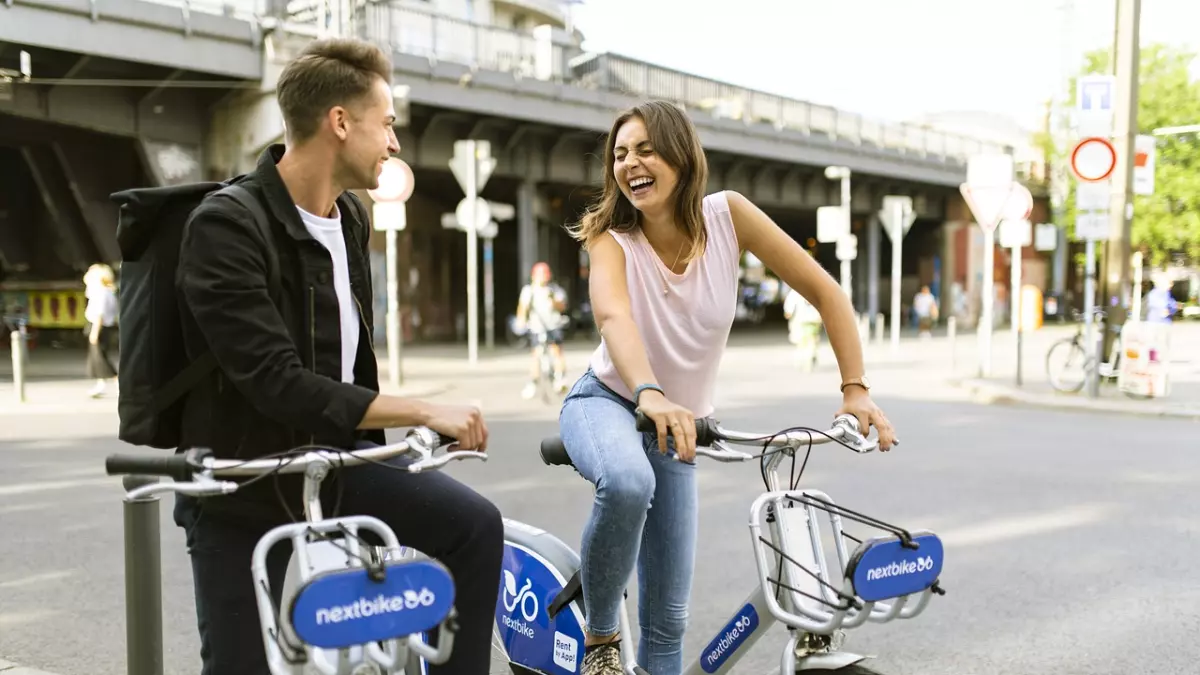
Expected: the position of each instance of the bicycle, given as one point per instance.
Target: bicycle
(348, 611)
(546, 381)
(1069, 380)
(540, 612)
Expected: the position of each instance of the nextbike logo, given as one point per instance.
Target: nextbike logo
(525, 599)
(732, 637)
(900, 568)
(381, 604)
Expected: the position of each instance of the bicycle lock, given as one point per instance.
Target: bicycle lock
(143, 581)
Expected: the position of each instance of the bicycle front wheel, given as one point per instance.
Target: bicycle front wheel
(1066, 366)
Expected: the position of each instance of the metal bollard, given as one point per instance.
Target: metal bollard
(952, 333)
(143, 582)
(18, 361)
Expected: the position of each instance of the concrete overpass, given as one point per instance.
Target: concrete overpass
(191, 93)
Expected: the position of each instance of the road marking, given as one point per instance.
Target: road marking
(1001, 529)
(37, 579)
(26, 488)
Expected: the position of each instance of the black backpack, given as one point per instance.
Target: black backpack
(155, 371)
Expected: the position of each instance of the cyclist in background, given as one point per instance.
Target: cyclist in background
(540, 312)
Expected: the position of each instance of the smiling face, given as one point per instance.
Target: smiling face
(654, 168)
(368, 137)
(642, 175)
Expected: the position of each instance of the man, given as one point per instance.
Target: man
(1160, 303)
(297, 367)
(540, 310)
(926, 308)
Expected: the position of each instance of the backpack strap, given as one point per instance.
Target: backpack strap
(242, 196)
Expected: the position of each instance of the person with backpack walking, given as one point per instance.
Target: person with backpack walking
(276, 315)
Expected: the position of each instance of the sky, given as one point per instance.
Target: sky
(886, 59)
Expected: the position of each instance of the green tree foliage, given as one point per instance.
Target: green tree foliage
(1167, 222)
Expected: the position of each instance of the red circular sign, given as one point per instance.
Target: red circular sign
(395, 182)
(1093, 159)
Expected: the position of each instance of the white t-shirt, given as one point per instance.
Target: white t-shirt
(328, 231)
(541, 301)
(923, 304)
(101, 306)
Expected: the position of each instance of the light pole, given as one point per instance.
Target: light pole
(843, 173)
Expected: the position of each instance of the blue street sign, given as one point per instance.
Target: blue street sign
(1095, 93)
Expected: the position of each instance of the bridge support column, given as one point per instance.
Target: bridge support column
(242, 127)
(533, 239)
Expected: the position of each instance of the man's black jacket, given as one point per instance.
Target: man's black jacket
(278, 380)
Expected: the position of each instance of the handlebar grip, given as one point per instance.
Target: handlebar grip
(706, 428)
(179, 467)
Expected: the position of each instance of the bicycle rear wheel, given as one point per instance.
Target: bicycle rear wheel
(1066, 366)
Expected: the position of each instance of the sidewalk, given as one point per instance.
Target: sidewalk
(1182, 400)
(929, 368)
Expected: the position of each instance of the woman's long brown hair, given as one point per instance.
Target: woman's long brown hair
(674, 138)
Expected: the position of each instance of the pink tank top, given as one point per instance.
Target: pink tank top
(684, 330)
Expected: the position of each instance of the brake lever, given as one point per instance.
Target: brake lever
(851, 436)
(418, 467)
(723, 453)
(202, 487)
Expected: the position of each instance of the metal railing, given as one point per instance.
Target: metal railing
(411, 31)
(408, 30)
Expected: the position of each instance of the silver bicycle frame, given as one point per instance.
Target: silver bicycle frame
(796, 531)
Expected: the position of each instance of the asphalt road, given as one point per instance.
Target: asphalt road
(1070, 537)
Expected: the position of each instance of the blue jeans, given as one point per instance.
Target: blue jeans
(644, 512)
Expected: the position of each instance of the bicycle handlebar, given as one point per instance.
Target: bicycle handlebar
(711, 439)
(194, 469)
(709, 432)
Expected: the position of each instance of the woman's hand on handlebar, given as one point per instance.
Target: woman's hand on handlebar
(673, 418)
(857, 402)
(462, 422)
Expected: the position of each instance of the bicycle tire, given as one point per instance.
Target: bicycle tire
(1072, 347)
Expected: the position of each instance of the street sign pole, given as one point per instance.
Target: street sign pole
(1093, 161)
(897, 216)
(394, 335)
(992, 195)
(1016, 302)
(1015, 235)
(395, 187)
(472, 165)
(842, 173)
(472, 257)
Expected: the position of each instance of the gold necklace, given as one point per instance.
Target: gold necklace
(672, 268)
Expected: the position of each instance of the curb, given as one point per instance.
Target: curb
(108, 405)
(10, 668)
(992, 394)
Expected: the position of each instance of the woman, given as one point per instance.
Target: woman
(101, 315)
(664, 281)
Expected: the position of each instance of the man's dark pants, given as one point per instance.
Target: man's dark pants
(430, 512)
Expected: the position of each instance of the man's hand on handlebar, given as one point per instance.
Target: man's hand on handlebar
(857, 402)
(672, 418)
(462, 422)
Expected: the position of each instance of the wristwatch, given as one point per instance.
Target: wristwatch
(860, 381)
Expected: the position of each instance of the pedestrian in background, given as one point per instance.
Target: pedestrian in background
(101, 315)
